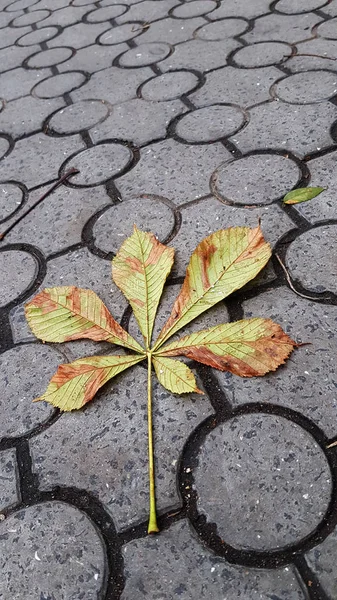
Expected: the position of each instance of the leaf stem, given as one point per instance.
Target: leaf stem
(152, 526)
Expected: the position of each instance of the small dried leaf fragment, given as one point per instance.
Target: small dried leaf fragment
(247, 348)
(174, 375)
(302, 195)
(140, 269)
(221, 264)
(63, 314)
(76, 383)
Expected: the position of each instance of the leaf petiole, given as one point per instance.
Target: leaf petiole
(152, 526)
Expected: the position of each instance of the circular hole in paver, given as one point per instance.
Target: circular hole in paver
(328, 29)
(36, 364)
(18, 270)
(312, 259)
(169, 86)
(307, 87)
(78, 117)
(100, 15)
(99, 163)
(36, 37)
(263, 480)
(210, 123)
(145, 54)
(262, 54)
(57, 85)
(147, 212)
(49, 58)
(20, 5)
(195, 8)
(255, 179)
(11, 199)
(52, 546)
(221, 30)
(123, 33)
(30, 18)
(4, 146)
(289, 7)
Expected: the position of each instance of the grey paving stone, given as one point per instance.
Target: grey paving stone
(149, 213)
(138, 121)
(300, 129)
(240, 8)
(27, 114)
(19, 82)
(13, 56)
(145, 54)
(99, 163)
(323, 172)
(174, 564)
(38, 158)
(5, 18)
(199, 55)
(327, 29)
(221, 30)
(9, 492)
(66, 16)
(19, 326)
(245, 87)
(203, 218)
(262, 54)
(147, 11)
(10, 35)
(36, 37)
(169, 86)
(307, 88)
(109, 453)
(330, 9)
(83, 348)
(307, 259)
(308, 382)
(178, 172)
(49, 550)
(286, 28)
(195, 8)
(18, 270)
(322, 560)
(11, 197)
(93, 58)
(57, 85)
(288, 7)
(259, 178)
(25, 373)
(114, 85)
(20, 5)
(210, 123)
(48, 58)
(118, 35)
(317, 53)
(172, 30)
(51, 4)
(267, 455)
(57, 222)
(30, 18)
(100, 15)
(4, 146)
(81, 2)
(80, 116)
(79, 35)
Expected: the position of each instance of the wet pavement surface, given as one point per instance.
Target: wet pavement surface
(184, 118)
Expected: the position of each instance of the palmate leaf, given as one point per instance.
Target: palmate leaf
(247, 348)
(76, 383)
(63, 314)
(221, 264)
(174, 375)
(140, 269)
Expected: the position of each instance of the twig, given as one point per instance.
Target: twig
(62, 179)
(291, 285)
